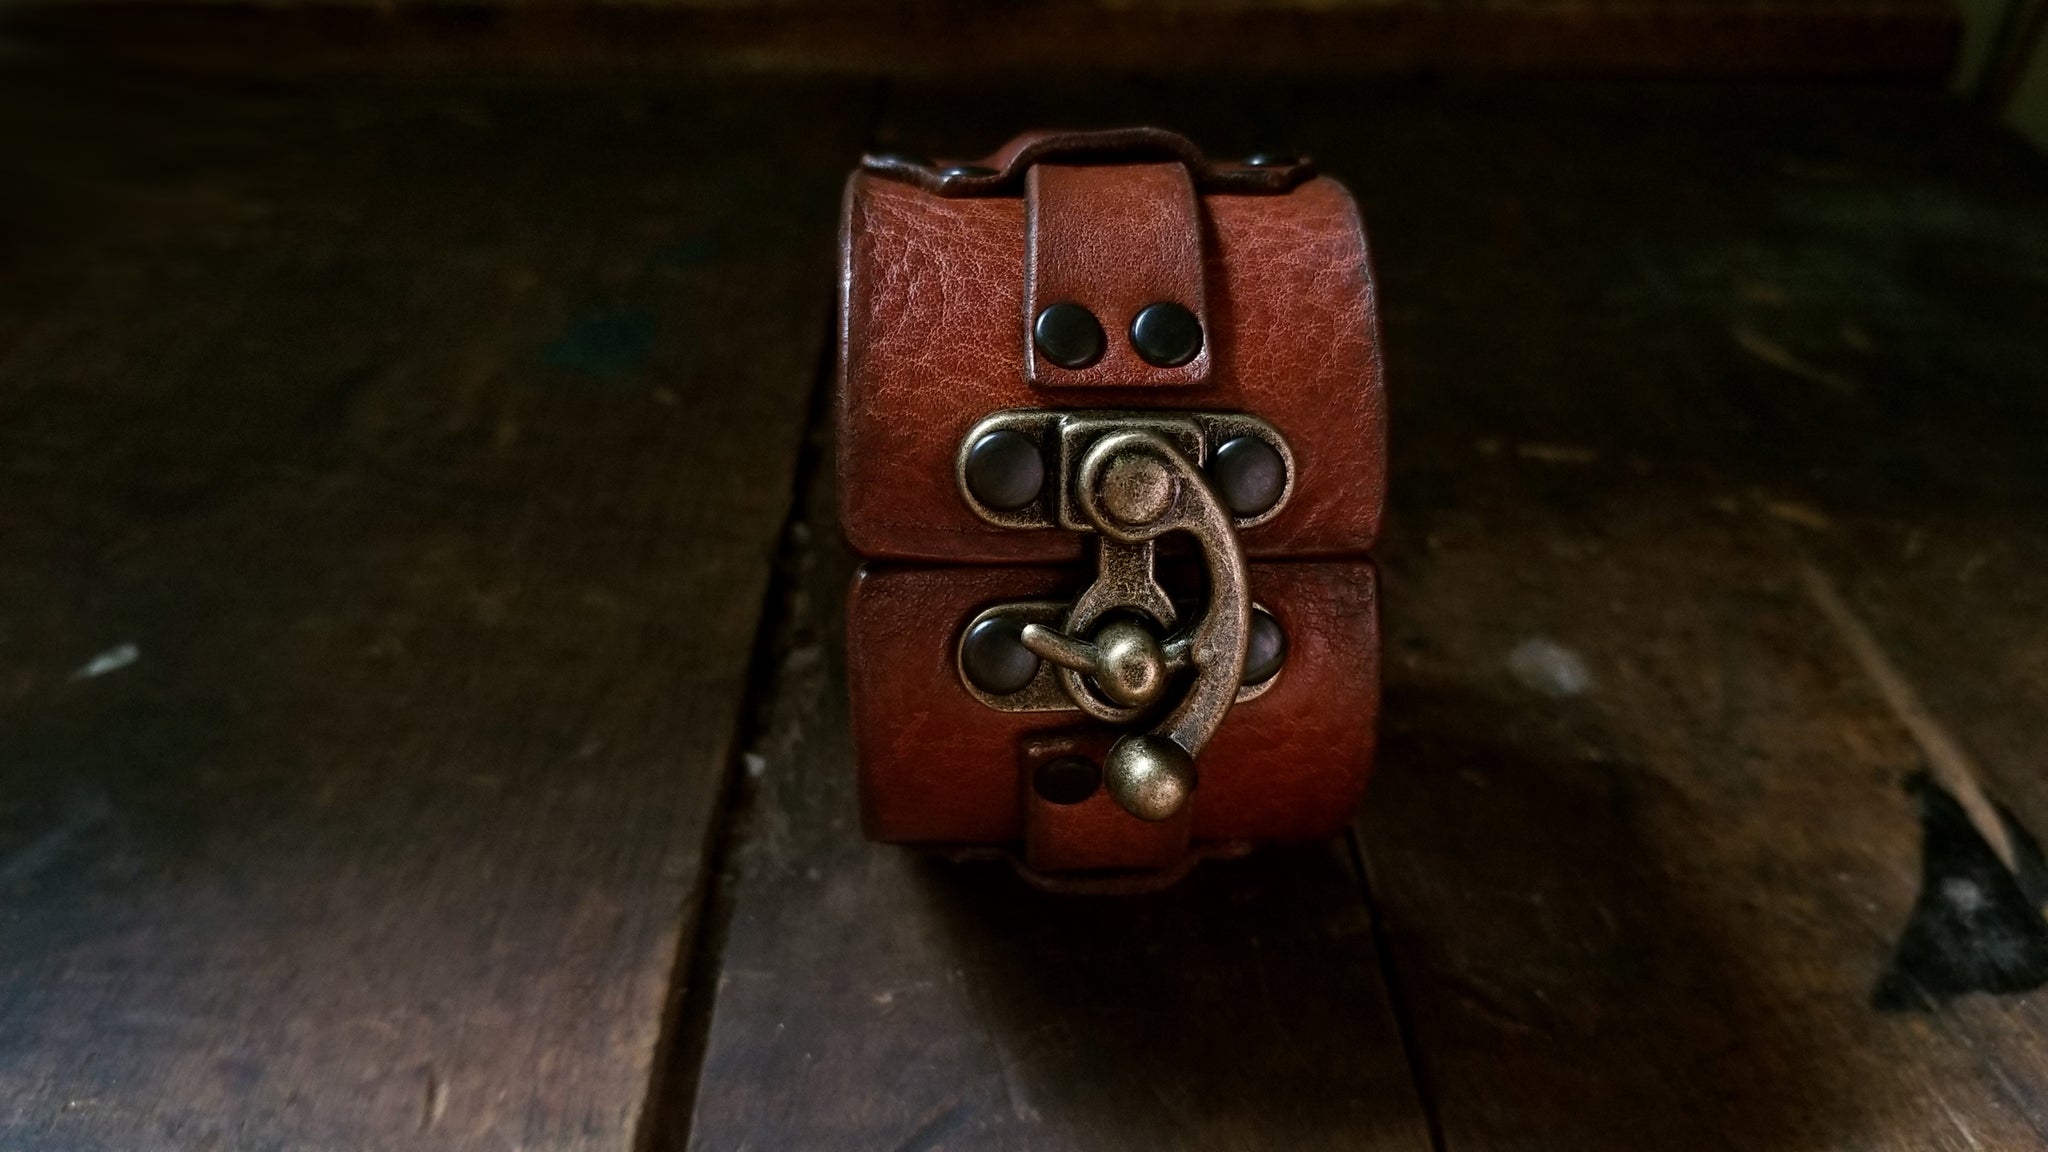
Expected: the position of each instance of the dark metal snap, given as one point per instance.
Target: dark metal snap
(995, 659)
(1265, 648)
(1005, 470)
(1249, 475)
(1166, 334)
(1067, 780)
(1068, 335)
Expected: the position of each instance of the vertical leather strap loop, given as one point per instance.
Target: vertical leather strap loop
(1114, 239)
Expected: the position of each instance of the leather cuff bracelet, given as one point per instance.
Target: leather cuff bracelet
(1111, 439)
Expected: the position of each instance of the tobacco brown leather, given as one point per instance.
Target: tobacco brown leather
(1114, 239)
(1095, 834)
(944, 269)
(932, 327)
(939, 767)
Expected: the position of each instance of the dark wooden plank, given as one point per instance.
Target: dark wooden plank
(1640, 838)
(872, 997)
(389, 476)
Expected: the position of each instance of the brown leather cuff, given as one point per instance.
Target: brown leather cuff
(1212, 344)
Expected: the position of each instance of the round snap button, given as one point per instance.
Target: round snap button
(1068, 335)
(1005, 470)
(995, 658)
(1249, 475)
(1166, 334)
(1265, 648)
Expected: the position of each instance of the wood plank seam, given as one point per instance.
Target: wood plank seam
(1397, 999)
(694, 988)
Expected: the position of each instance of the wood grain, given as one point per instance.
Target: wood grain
(388, 477)
(1640, 837)
(389, 472)
(1641, 849)
(874, 997)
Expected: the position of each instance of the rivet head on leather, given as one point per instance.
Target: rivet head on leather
(995, 659)
(1249, 474)
(1005, 470)
(1166, 334)
(1067, 780)
(1265, 648)
(1068, 335)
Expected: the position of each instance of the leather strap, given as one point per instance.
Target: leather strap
(1001, 173)
(1094, 835)
(1113, 239)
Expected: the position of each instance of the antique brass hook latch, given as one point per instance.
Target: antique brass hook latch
(1129, 479)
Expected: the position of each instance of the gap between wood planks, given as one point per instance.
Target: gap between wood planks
(694, 990)
(665, 1121)
(1397, 997)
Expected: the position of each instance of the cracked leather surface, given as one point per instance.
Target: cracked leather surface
(939, 767)
(933, 329)
(941, 278)
(1113, 239)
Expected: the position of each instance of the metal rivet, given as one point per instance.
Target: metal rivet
(1068, 335)
(994, 658)
(1005, 470)
(1249, 475)
(1067, 780)
(1265, 648)
(967, 170)
(1137, 489)
(1166, 334)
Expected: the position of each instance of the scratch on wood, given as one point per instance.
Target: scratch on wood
(435, 1105)
(1556, 454)
(1780, 357)
(1950, 766)
(112, 660)
(39, 853)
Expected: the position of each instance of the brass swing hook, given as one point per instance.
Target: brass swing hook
(1134, 486)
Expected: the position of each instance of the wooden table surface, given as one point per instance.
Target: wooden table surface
(422, 721)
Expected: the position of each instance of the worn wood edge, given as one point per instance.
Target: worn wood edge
(686, 1014)
(1895, 40)
(687, 1022)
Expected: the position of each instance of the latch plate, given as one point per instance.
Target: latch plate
(1062, 435)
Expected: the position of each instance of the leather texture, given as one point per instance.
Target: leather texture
(944, 268)
(932, 330)
(1113, 239)
(937, 767)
